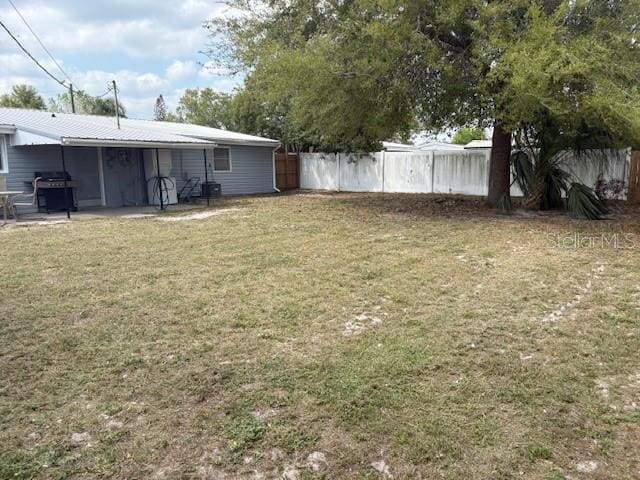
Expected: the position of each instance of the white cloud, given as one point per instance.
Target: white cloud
(148, 47)
(137, 29)
(179, 70)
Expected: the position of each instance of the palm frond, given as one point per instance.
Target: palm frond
(523, 172)
(556, 184)
(582, 202)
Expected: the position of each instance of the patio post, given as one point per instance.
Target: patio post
(66, 188)
(159, 180)
(206, 175)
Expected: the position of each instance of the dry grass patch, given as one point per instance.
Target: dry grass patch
(320, 336)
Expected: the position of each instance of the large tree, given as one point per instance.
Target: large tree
(23, 96)
(357, 72)
(204, 106)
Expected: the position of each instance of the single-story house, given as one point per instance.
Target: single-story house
(113, 165)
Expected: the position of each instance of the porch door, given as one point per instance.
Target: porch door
(124, 182)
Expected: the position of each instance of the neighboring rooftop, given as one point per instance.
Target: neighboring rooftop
(478, 144)
(398, 147)
(429, 146)
(41, 127)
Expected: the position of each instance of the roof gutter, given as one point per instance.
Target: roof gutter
(228, 141)
(89, 142)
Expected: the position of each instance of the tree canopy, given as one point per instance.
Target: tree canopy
(204, 106)
(354, 73)
(467, 134)
(23, 96)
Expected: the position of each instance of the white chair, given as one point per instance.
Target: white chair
(25, 200)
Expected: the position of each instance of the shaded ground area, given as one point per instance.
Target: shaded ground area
(322, 336)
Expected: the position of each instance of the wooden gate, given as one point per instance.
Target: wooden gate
(287, 171)
(634, 178)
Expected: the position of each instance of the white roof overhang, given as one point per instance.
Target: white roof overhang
(28, 136)
(226, 141)
(7, 129)
(90, 142)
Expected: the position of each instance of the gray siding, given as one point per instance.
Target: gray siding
(251, 169)
(82, 164)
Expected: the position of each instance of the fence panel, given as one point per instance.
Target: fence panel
(464, 173)
(408, 172)
(615, 166)
(453, 172)
(319, 171)
(361, 172)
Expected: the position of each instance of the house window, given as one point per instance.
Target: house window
(221, 160)
(4, 164)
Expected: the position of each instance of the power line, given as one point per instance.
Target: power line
(51, 75)
(43, 68)
(40, 42)
(61, 82)
(104, 94)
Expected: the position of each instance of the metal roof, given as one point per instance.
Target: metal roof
(198, 131)
(398, 147)
(72, 129)
(479, 144)
(435, 146)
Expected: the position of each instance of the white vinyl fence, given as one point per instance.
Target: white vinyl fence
(454, 172)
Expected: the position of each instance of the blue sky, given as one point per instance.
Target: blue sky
(149, 47)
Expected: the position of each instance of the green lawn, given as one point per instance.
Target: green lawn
(312, 336)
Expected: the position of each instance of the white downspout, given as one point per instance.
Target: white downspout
(273, 161)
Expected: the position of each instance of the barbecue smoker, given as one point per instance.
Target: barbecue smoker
(52, 195)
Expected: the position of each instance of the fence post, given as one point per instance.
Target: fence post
(383, 164)
(432, 154)
(338, 169)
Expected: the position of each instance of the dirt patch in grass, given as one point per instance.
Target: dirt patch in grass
(220, 349)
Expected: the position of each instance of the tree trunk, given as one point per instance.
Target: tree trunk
(500, 165)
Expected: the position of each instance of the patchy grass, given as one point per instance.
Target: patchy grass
(412, 336)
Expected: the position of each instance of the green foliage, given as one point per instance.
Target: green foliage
(583, 203)
(23, 96)
(85, 104)
(523, 172)
(204, 106)
(243, 432)
(538, 452)
(467, 134)
(352, 74)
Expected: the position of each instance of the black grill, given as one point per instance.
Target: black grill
(52, 195)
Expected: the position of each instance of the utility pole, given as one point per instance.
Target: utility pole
(115, 93)
(73, 102)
